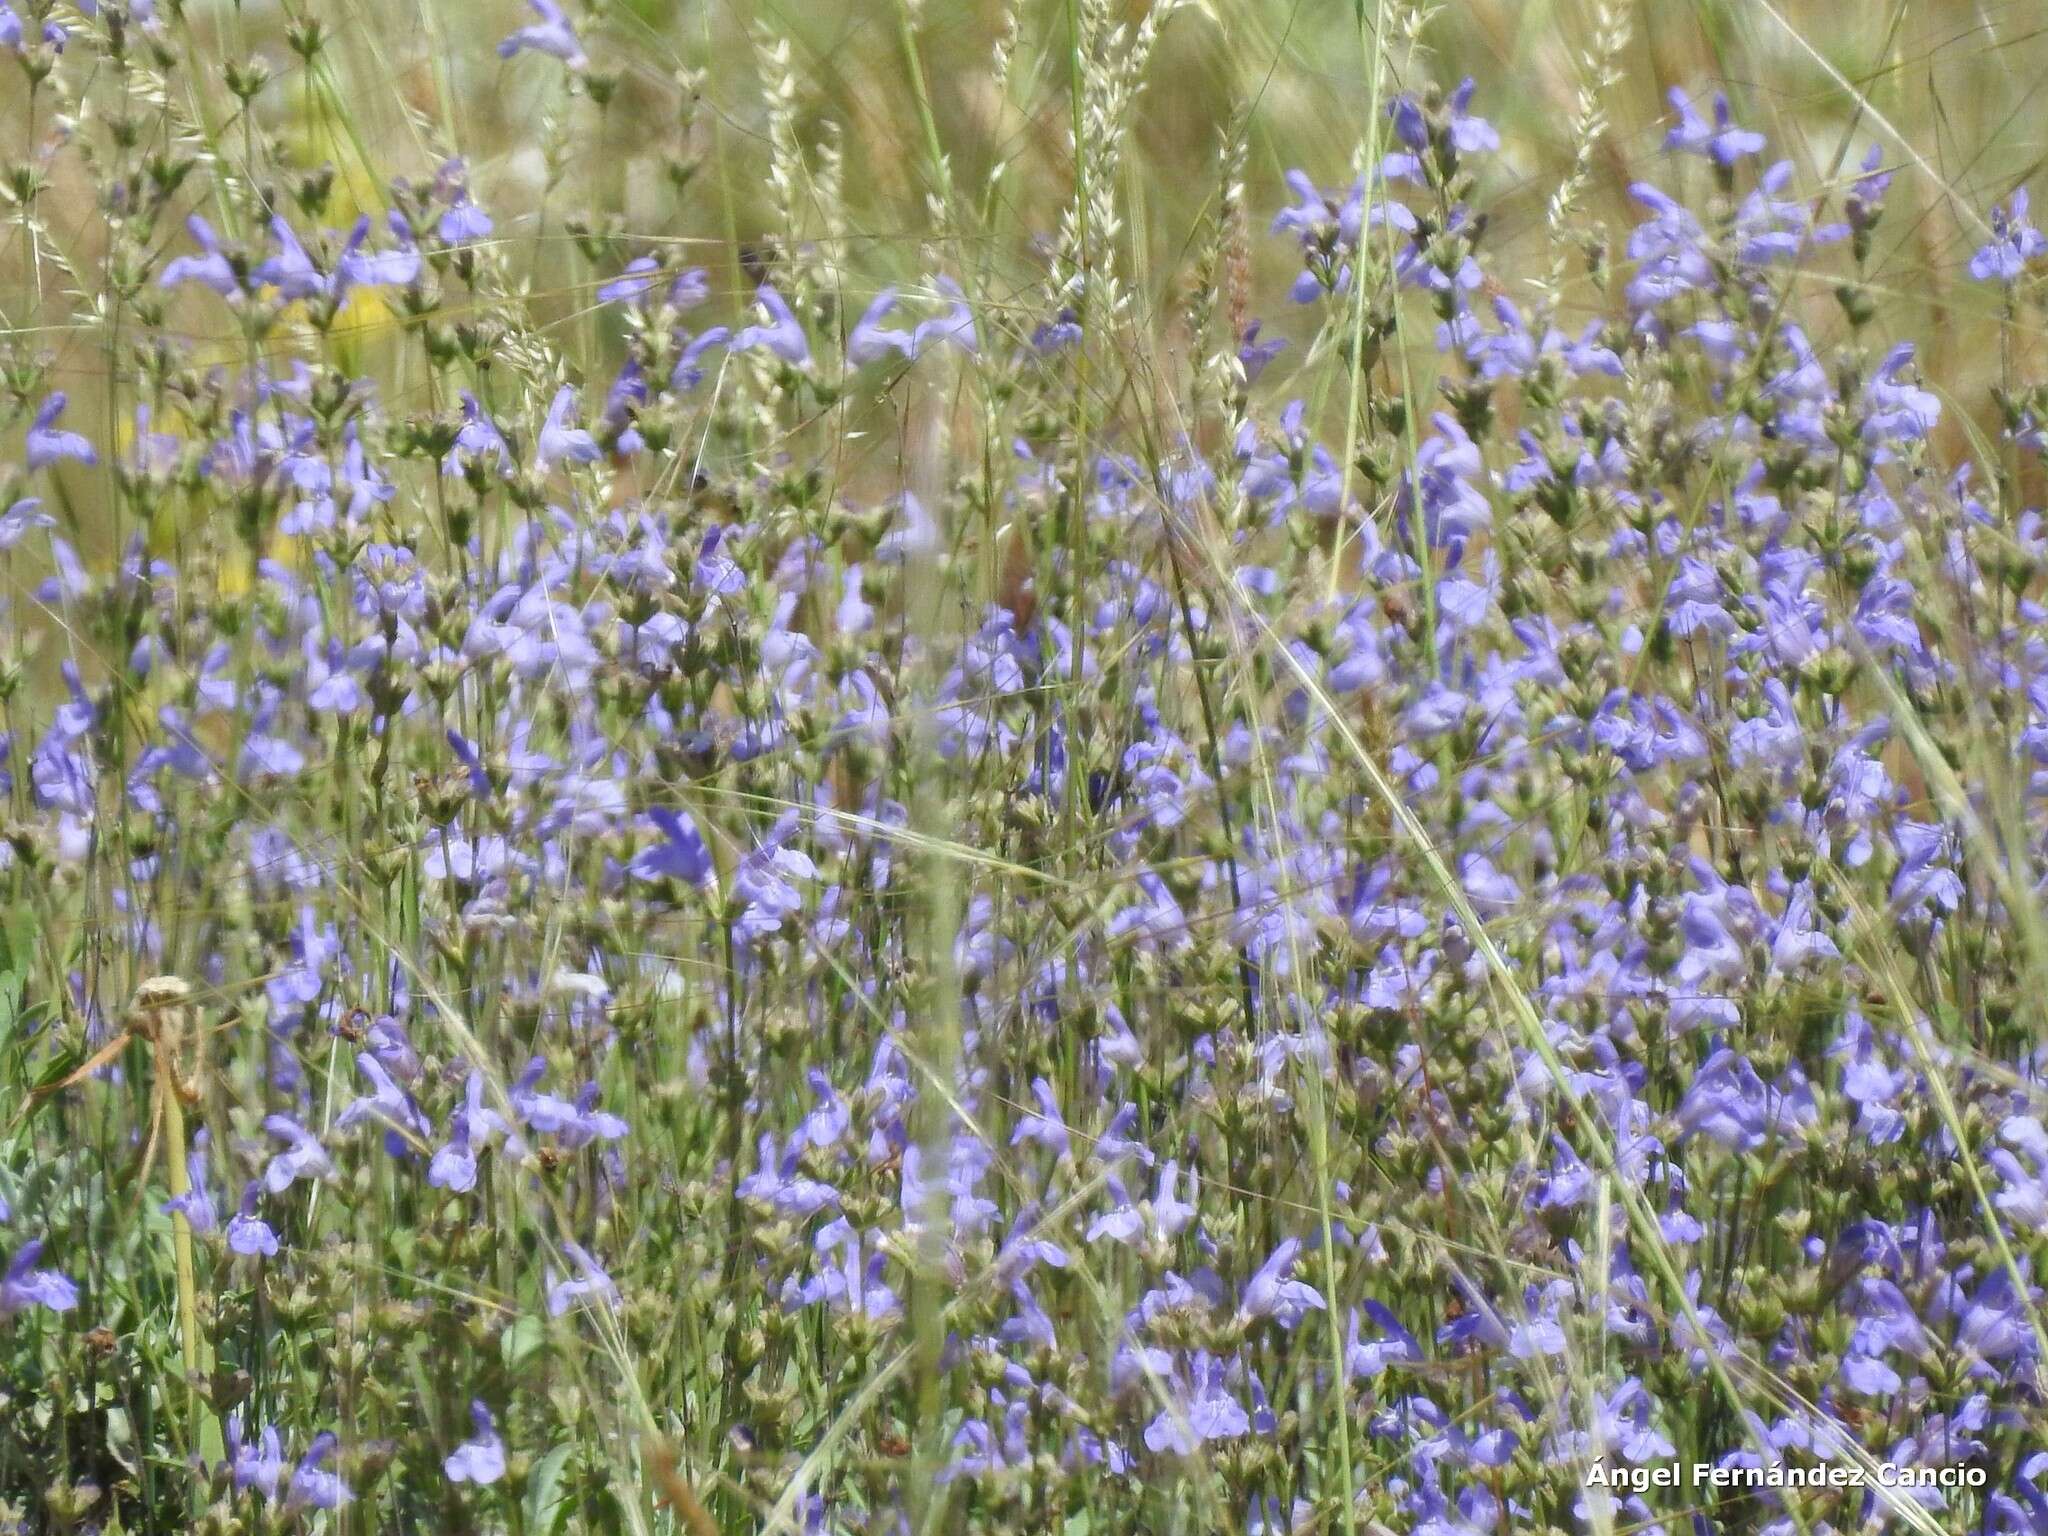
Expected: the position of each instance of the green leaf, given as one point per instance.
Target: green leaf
(43, 1089)
(521, 1341)
(547, 1500)
(121, 1440)
(17, 943)
(10, 1004)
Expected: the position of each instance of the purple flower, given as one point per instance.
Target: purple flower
(454, 1164)
(1797, 941)
(917, 534)
(1767, 227)
(472, 764)
(1411, 127)
(1994, 1321)
(589, 1282)
(210, 268)
(1867, 1373)
(481, 1458)
(1270, 1293)
(313, 1486)
(780, 1182)
(1731, 1104)
(1203, 1412)
(2014, 242)
(1865, 200)
(1469, 134)
(1256, 355)
(871, 341)
(478, 440)
(1161, 1219)
(543, 1112)
(688, 372)
(589, 1123)
(48, 443)
(386, 1103)
(255, 1464)
(13, 34)
(248, 1233)
(1669, 250)
(2023, 1194)
(1172, 1214)
(781, 335)
(849, 1283)
(681, 853)
(829, 1123)
(692, 286)
(291, 271)
(640, 275)
(558, 440)
(1898, 411)
(1475, 1512)
(1695, 604)
(967, 1161)
(303, 1158)
(955, 326)
(1311, 217)
(474, 1127)
(1722, 141)
(1869, 1082)
(1125, 1223)
(386, 1040)
(360, 267)
(196, 1204)
(1925, 877)
(19, 520)
(24, 1286)
(464, 220)
(551, 35)
(1394, 1344)
(765, 880)
(1046, 1128)
(1445, 467)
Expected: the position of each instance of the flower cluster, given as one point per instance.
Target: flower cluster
(1271, 974)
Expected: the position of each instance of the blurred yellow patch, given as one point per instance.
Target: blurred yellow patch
(235, 571)
(363, 320)
(317, 141)
(124, 432)
(238, 571)
(367, 315)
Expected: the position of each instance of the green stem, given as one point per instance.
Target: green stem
(196, 1365)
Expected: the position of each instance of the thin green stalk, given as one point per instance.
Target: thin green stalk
(169, 1030)
(1371, 59)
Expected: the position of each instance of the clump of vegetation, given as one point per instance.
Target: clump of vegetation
(762, 898)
